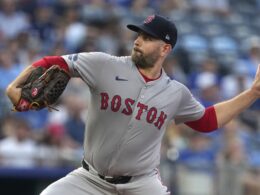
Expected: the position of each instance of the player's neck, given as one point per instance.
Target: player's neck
(147, 79)
(151, 73)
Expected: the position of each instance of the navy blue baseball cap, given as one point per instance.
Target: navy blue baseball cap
(158, 27)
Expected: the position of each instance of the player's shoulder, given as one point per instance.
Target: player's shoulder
(176, 84)
(96, 54)
(119, 59)
(107, 57)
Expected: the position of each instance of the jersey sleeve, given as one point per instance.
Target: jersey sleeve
(88, 65)
(189, 108)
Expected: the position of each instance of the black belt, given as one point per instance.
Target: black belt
(113, 180)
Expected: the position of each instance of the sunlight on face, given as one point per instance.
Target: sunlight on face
(145, 52)
(145, 60)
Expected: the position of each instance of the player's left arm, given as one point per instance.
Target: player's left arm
(227, 110)
(14, 89)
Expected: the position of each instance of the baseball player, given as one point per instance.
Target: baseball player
(132, 101)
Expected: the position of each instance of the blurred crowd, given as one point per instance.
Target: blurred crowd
(216, 56)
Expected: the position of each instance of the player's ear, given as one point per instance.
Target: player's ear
(166, 49)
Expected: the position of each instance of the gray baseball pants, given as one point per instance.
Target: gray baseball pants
(83, 182)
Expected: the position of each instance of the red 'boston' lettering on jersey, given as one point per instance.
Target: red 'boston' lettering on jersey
(104, 101)
(151, 115)
(116, 103)
(128, 109)
(160, 120)
(141, 107)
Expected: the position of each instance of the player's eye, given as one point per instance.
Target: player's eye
(148, 38)
(145, 36)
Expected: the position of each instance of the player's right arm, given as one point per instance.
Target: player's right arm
(221, 113)
(227, 110)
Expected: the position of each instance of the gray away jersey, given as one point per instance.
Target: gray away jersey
(127, 117)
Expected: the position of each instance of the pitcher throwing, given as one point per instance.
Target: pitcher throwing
(132, 101)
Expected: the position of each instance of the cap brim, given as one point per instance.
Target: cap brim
(143, 28)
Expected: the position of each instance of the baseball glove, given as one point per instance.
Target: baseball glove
(42, 88)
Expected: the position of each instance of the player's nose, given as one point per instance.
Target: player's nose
(137, 41)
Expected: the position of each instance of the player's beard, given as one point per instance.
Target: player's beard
(144, 61)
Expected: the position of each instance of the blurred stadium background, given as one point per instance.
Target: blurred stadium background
(216, 56)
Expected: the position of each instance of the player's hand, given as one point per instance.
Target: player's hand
(14, 93)
(256, 84)
(42, 88)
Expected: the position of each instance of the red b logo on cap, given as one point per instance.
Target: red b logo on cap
(149, 19)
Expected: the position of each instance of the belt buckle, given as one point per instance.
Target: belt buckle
(111, 179)
(115, 180)
(108, 177)
(105, 177)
